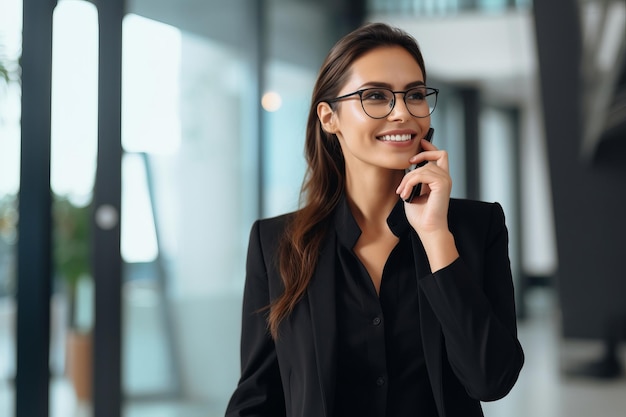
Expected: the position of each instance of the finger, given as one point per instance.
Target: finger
(439, 157)
(427, 146)
(411, 180)
(429, 174)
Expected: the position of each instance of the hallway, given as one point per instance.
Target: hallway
(540, 392)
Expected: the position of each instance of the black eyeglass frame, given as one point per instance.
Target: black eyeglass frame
(429, 91)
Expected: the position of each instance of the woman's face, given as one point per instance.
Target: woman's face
(388, 142)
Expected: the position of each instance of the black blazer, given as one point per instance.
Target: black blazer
(467, 317)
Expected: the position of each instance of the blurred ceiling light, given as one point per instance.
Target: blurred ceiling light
(271, 101)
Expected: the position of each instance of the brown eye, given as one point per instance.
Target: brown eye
(376, 95)
(417, 94)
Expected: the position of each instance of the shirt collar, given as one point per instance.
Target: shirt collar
(348, 230)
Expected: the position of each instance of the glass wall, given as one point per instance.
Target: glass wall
(193, 165)
(299, 36)
(285, 129)
(10, 47)
(74, 135)
(447, 120)
(198, 155)
(499, 177)
(184, 115)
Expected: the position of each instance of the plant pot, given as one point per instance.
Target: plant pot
(79, 363)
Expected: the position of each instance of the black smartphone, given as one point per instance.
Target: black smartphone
(417, 189)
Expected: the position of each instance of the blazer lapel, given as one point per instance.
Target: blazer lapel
(430, 327)
(321, 294)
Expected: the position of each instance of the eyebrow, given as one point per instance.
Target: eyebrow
(387, 85)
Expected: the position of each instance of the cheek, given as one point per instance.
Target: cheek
(354, 123)
(424, 126)
(357, 120)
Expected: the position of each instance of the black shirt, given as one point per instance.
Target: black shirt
(381, 370)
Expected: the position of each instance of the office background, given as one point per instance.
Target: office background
(172, 126)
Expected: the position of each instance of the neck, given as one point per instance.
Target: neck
(372, 195)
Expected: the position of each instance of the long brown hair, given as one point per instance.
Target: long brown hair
(324, 184)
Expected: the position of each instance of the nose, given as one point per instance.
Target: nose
(399, 110)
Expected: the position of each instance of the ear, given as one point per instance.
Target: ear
(326, 115)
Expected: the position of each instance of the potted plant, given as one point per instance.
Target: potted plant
(4, 73)
(4, 65)
(8, 239)
(71, 239)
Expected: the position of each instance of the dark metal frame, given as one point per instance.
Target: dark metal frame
(34, 246)
(106, 259)
(34, 258)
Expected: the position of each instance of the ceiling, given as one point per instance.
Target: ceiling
(494, 51)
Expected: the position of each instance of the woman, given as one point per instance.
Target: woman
(362, 304)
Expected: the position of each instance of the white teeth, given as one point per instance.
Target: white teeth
(395, 138)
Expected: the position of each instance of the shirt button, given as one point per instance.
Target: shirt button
(380, 381)
(376, 321)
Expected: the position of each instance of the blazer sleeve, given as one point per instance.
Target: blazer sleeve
(474, 303)
(259, 390)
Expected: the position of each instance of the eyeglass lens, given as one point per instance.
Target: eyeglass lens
(379, 102)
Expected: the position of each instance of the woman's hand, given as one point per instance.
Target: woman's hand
(428, 212)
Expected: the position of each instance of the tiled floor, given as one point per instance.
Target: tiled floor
(540, 392)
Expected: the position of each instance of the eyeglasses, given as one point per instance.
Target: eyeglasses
(379, 102)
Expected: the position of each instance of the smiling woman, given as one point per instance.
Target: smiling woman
(360, 303)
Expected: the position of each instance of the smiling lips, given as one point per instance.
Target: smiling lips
(395, 138)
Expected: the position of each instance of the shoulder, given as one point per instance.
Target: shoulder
(275, 224)
(474, 215)
(473, 209)
(268, 231)
(473, 206)
(264, 241)
(479, 229)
